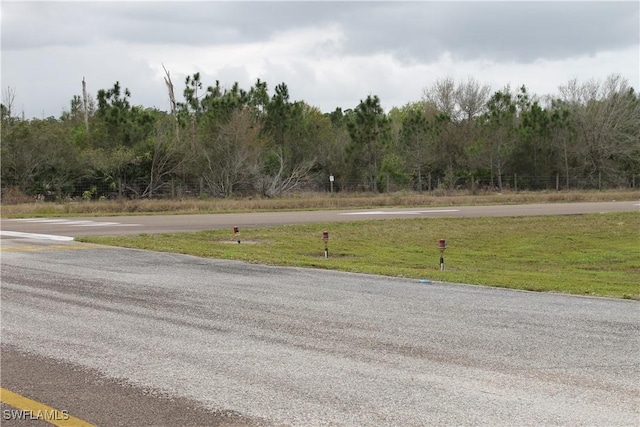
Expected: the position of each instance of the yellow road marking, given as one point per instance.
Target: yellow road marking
(36, 410)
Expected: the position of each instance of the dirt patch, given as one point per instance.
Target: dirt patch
(242, 242)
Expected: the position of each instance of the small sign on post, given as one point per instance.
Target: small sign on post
(442, 246)
(325, 238)
(236, 233)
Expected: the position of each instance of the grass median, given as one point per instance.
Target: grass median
(596, 254)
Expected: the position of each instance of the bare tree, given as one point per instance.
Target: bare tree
(232, 159)
(172, 101)
(606, 115)
(168, 156)
(85, 104)
(8, 99)
(471, 98)
(443, 94)
(282, 182)
(6, 111)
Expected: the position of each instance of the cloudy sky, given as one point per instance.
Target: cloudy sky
(330, 54)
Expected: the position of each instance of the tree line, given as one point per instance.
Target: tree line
(222, 142)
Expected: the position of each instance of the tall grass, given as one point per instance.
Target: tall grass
(305, 201)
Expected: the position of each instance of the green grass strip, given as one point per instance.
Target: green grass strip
(595, 254)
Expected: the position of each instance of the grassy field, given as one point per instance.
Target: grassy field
(595, 255)
(306, 201)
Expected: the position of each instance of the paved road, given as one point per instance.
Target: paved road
(112, 335)
(178, 223)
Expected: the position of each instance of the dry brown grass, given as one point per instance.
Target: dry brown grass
(306, 201)
(13, 196)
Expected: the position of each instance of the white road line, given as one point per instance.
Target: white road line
(101, 224)
(69, 222)
(46, 220)
(363, 213)
(399, 212)
(74, 223)
(35, 236)
(96, 224)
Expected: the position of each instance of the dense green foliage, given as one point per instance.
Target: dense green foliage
(227, 141)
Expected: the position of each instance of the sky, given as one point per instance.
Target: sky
(329, 54)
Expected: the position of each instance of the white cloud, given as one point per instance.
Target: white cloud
(329, 54)
(283, 50)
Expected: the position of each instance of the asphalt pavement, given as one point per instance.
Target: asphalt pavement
(303, 347)
(135, 224)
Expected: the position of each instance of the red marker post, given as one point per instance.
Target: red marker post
(236, 233)
(442, 246)
(325, 238)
